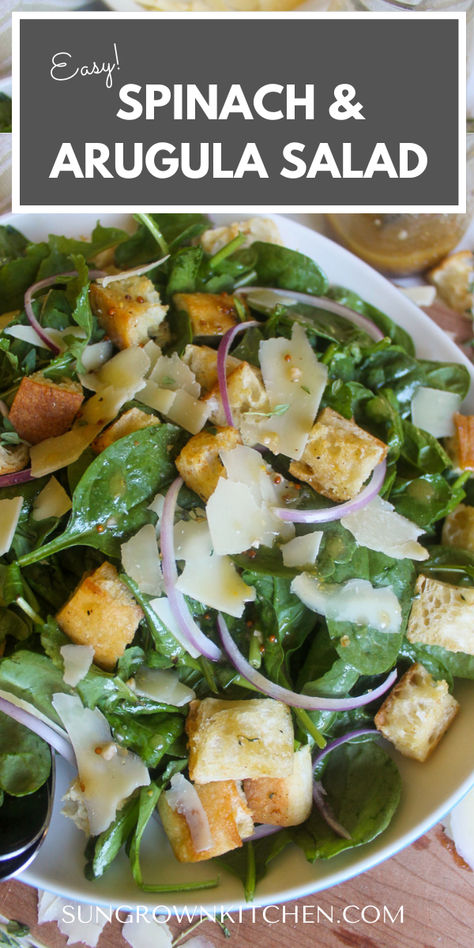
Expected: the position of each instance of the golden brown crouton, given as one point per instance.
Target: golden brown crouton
(44, 409)
(102, 613)
(443, 615)
(199, 463)
(202, 360)
(211, 314)
(283, 801)
(460, 446)
(13, 458)
(233, 740)
(458, 528)
(129, 310)
(230, 821)
(339, 457)
(416, 713)
(453, 279)
(132, 420)
(246, 393)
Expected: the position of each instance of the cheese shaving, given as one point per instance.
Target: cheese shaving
(379, 527)
(356, 601)
(52, 501)
(10, 510)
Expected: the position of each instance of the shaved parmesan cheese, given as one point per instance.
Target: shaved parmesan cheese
(10, 509)
(184, 799)
(105, 405)
(207, 577)
(379, 527)
(422, 295)
(160, 399)
(153, 352)
(54, 453)
(171, 372)
(459, 825)
(96, 354)
(245, 465)
(77, 661)
(292, 377)
(140, 560)
(77, 920)
(147, 931)
(236, 521)
(432, 410)
(52, 501)
(162, 686)
(188, 412)
(268, 299)
(157, 505)
(126, 369)
(356, 601)
(302, 551)
(165, 615)
(105, 784)
(58, 336)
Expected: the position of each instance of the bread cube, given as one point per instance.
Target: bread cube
(416, 713)
(132, 420)
(13, 458)
(458, 528)
(129, 310)
(453, 279)
(202, 360)
(199, 463)
(283, 801)
(102, 613)
(246, 393)
(211, 314)
(254, 228)
(229, 817)
(44, 409)
(460, 446)
(442, 615)
(339, 457)
(235, 740)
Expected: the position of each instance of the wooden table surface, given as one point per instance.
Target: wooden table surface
(421, 898)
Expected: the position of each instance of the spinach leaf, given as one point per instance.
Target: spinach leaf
(35, 679)
(101, 239)
(423, 451)
(426, 499)
(355, 302)
(150, 736)
(450, 564)
(440, 662)
(18, 274)
(318, 322)
(12, 244)
(25, 760)
(392, 367)
(323, 673)
(286, 269)
(111, 500)
(363, 791)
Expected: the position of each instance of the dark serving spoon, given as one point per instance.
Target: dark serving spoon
(24, 822)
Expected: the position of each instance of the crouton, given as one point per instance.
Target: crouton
(44, 409)
(283, 801)
(199, 463)
(458, 528)
(416, 713)
(339, 457)
(102, 613)
(442, 615)
(255, 228)
(211, 314)
(13, 458)
(460, 446)
(229, 817)
(233, 740)
(129, 310)
(132, 420)
(453, 279)
(202, 360)
(246, 392)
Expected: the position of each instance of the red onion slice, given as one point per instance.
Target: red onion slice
(18, 477)
(291, 698)
(265, 829)
(340, 510)
(350, 736)
(42, 285)
(319, 795)
(188, 627)
(222, 353)
(61, 744)
(331, 305)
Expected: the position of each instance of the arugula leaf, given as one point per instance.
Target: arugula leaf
(25, 760)
(18, 274)
(148, 799)
(12, 243)
(250, 863)
(101, 850)
(184, 271)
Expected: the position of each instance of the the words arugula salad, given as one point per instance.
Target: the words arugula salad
(237, 542)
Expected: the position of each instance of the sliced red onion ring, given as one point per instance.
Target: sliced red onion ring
(350, 736)
(323, 303)
(265, 829)
(42, 285)
(340, 510)
(319, 795)
(61, 744)
(294, 700)
(222, 353)
(18, 477)
(188, 627)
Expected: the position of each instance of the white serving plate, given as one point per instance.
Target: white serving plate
(429, 789)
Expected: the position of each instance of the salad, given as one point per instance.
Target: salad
(237, 544)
